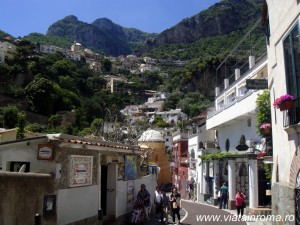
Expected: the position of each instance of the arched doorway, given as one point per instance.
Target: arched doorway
(297, 199)
(242, 180)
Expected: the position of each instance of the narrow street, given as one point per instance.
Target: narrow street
(195, 214)
(208, 215)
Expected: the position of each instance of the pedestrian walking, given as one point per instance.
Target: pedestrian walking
(191, 191)
(224, 196)
(158, 203)
(240, 203)
(166, 205)
(144, 195)
(175, 200)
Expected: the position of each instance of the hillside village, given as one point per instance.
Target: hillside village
(248, 139)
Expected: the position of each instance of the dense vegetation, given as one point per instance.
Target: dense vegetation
(49, 83)
(49, 40)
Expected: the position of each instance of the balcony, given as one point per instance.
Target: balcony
(291, 117)
(241, 109)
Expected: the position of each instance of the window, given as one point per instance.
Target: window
(292, 61)
(15, 166)
(249, 122)
(201, 145)
(291, 45)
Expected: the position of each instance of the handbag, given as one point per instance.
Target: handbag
(174, 205)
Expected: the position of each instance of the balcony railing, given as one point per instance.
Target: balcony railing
(292, 116)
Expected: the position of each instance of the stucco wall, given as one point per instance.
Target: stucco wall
(158, 156)
(75, 204)
(150, 182)
(22, 196)
(231, 133)
(283, 203)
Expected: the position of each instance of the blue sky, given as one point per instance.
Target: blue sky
(23, 17)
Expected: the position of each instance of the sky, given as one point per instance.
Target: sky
(153, 16)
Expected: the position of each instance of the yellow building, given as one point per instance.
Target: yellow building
(11, 135)
(154, 141)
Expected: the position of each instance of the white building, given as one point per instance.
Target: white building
(235, 120)
(148, 67)
(50, 49)
(173, 116)
(149, 60)
(6, 50)
(200, 140)
(282, 19)
(85, 175)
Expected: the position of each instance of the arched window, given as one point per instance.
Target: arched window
(227, 145)
(193, 154)
(226, 170)
(201, 145)
(243, 170)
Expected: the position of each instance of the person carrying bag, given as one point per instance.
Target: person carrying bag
(175, 199)
(240, 203)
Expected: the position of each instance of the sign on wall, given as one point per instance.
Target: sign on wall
(258, 84)
(45, 152)
(81, 170)
(130, 167)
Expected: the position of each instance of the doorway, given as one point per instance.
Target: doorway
(104, 188)
(109, 189)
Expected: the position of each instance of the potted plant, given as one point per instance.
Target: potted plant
(284, 102)
(265, 128)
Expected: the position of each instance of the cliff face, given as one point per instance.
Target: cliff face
(102, 34)
(113, 39)
(220, 19)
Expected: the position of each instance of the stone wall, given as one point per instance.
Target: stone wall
(283, 202)
(22, 196)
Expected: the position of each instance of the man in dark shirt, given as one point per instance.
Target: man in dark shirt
(224, 196)
(144, 195)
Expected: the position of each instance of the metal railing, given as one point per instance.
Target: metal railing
(292, 116)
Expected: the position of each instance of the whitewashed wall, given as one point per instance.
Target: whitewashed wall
(74, 204)
(283, 17)
(234, 131)
(26, 152)
(150, 181)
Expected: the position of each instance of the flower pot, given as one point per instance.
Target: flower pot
(285, 105)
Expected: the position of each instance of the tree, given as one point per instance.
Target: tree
(39, 93)
(10, 116)
(21, 125)
(96, 126)
(107, 65)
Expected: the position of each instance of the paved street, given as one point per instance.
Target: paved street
(198, 214)
(208, 215)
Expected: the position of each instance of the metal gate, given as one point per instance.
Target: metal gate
(242, 178)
